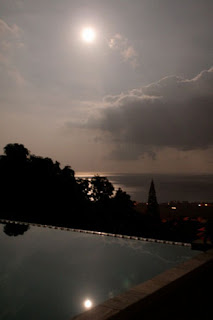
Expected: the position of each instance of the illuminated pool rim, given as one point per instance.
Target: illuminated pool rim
(184, 244)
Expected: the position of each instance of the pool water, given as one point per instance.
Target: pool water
(55, 274)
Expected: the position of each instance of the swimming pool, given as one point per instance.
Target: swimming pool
(55, 274)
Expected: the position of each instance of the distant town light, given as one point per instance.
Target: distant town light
(199, 205)
(173, 208)
(206, 204)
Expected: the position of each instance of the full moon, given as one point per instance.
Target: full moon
(88, 35)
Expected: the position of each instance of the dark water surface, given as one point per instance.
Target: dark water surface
(49, 274)
(169, 187)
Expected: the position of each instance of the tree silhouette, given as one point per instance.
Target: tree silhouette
(122, 199)
(13, 176)
(16, 152)
(31, 185)
(102, 189)
(85, 187)
(37, 189)
(153, 207)
(13, 229)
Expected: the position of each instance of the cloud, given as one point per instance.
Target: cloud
(171, 113)
(10, 44)
(9, 38)
(122, 45)
(6, 29)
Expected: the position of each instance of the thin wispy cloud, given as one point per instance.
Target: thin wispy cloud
(10, 38)
(123, 46)
(10, 43)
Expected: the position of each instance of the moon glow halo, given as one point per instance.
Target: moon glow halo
(88, 35)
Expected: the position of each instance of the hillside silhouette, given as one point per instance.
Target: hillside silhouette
(37, 189)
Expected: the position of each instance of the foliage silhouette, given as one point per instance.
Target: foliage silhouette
(102, 189)
(13, 229)
(85, 187)
(37, 189)
(32, 186)
(16, 152)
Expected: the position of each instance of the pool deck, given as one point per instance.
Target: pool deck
(183, 292)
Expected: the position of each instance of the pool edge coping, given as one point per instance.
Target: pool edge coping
(100, 233)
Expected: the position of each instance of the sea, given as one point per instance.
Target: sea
(169, 187)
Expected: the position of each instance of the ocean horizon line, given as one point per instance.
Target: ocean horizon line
(111, 173)
(171, 186)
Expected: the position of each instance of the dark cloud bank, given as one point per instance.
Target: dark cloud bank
(172, 112)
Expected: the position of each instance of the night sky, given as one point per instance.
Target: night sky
(136, 98)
